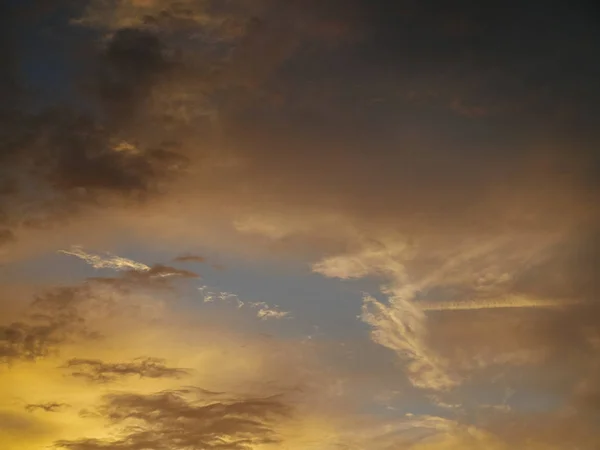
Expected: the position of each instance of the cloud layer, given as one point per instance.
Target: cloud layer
(436, 166)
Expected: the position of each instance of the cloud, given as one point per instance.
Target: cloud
(156, 73)
(98, 371)
(222, 355)
(108, 262)
(66, 161)
(22, 341)
(71, 166)
(423, 277)
(134, 273)
(98, 168)
(264, 311)
(162, 14)
(50, 407)
(132, 64)
(157, 276)
(415, 431)
(506, 302)
(172, 420)
(401, 328)
(54, 318)
(401, 324)
(58, 316)
(190, 258)
(246, 128)
(265, 314)
(546, 315)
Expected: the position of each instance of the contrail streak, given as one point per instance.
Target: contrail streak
(506, 302)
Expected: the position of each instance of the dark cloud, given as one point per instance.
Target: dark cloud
(63, 163)
(355, 141)
(9, 83)
(50, 407)
(169, 420)
(98, 371)
(85, 160)
(290, 108)
(63, 159)
(130, 67)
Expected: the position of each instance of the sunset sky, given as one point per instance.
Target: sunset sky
(299, 225)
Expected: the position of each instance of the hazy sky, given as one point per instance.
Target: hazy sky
(299, 225)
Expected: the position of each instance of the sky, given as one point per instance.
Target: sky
(299, 225)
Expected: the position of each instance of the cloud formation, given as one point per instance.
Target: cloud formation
(156, 276)
(108, 262)
(190, 258)
(97, 371)
(509, 302)
(430, 152)
(61, 315)
(173, 420)
(55, 317)
(401, 328)
(50, 407)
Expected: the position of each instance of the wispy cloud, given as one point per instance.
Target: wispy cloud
(155, 276)
(190, 258)
(106, 261)
(50, 407)
(97, 371)
(401, 327)
(264, 311)
(483, 269)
